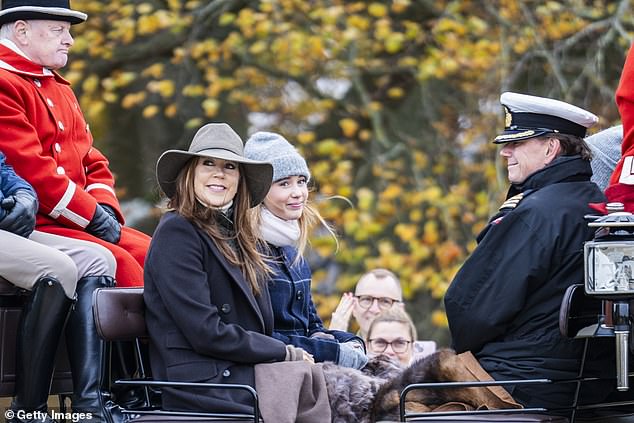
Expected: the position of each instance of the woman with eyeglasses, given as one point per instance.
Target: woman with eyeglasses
(392, 333)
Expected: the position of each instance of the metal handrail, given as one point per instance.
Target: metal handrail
(168, 384)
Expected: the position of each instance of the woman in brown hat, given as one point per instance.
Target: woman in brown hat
(208, 311)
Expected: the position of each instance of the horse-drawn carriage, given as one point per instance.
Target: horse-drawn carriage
(600, 311)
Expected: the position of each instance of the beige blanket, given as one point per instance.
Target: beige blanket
(292, 391)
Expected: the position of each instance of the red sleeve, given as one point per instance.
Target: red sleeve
(621, 186)
(60, 198)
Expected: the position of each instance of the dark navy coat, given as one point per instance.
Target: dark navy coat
(204, 322)
(503, 305)
(295, 316)
(10, 182)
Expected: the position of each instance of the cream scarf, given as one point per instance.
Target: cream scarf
(276, 231)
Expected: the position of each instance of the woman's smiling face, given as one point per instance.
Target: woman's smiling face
(287, 197)
(216, 181)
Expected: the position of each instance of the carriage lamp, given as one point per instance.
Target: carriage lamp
(609, 275)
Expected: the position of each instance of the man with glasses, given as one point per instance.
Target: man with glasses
(377, 290)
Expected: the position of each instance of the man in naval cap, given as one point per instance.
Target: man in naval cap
(503, 305)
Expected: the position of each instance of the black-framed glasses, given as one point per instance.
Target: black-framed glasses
(365, 301)
(379, 345)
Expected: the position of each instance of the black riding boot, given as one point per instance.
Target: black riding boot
(41, 325)
(87, 353)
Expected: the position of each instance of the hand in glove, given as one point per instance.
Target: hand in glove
(22, 207)
(104, 226)
(110, 211)
(298, 354)
(350, 355)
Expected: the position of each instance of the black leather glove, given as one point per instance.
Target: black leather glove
(110, 211)
(104, 226)
(22, 207)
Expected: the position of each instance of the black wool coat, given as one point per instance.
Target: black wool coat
(204, 322)
(503, 305)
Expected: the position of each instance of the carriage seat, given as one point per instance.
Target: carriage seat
(119, 315)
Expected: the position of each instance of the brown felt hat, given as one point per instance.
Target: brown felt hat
(216, 140)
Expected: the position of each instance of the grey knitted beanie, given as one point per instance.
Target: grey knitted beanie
(275, 149)
(606, 152)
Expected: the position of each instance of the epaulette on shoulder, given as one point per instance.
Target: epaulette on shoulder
(512, 202)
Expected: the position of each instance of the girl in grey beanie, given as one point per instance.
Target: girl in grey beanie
(606, 152)
(285, 219)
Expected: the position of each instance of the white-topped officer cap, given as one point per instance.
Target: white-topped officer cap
(528, 116)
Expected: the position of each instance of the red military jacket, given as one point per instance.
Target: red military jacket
(621, 188)
(48, 142)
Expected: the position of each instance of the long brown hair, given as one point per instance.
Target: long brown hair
(246, 255)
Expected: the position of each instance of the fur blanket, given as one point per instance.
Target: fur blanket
(373, 393)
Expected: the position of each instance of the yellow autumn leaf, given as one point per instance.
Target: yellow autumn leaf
(430, 233)
(375, 106)
(144, 8)
(415, 215)
(148, 25)
(365, 134)
(258, 47)
(90, 84)
(391, 192)
(165, 88)
(439, 319)
(348, 127)
(421, 252)
(123, 79)
(193, 90)
(193, 123)
(365, 198)
(400, 6)
(377, 10)
(385, 248)
(155, 70)
(110, 97)
(266, 6)
(305, 137)
(358, 22)
(395, 92)
(210, 106)
(394, 42)
(132, 99)
(263, 28)
(246, 18)
(170, 111)
(405, 231)
(226, 19)
(96, 108)
(327, 147)
(150, 111)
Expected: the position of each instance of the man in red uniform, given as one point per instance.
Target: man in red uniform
(621, 188)
(48, 142)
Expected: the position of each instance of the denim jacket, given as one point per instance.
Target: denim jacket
(295, 315)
